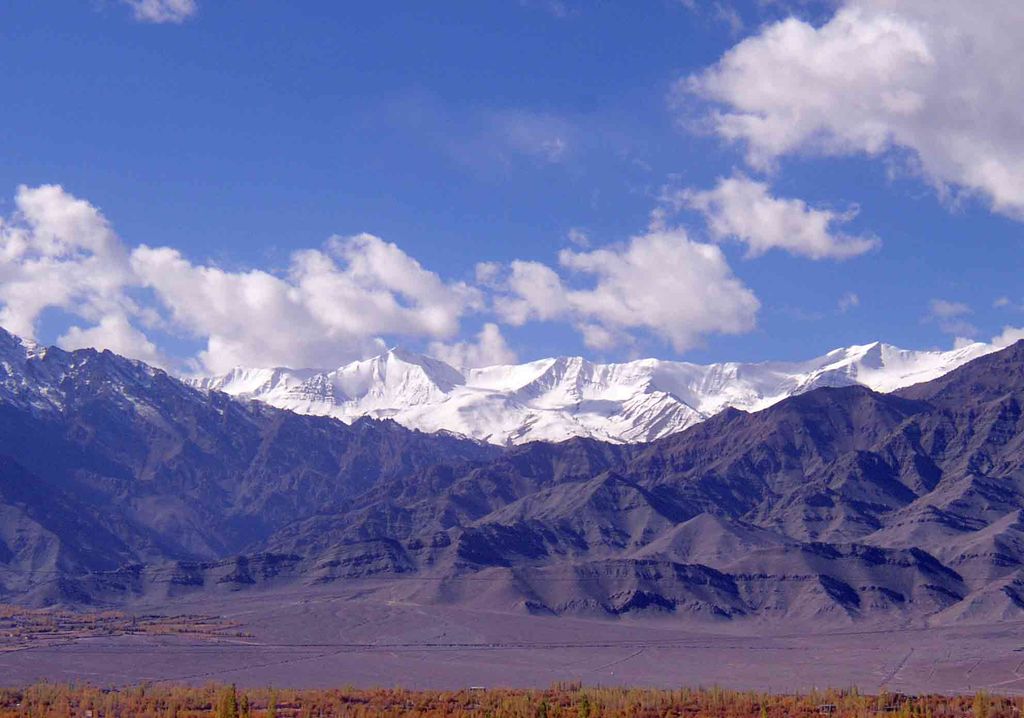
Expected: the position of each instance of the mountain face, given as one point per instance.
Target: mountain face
(838, 505)
(555, 399)
(105, 461)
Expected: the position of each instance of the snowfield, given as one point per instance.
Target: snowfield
(555, 399)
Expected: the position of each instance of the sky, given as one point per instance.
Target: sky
(202, 184)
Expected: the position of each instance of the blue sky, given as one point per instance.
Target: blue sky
(227, 136)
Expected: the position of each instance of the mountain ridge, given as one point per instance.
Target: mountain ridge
(840, 505)
(554, 399)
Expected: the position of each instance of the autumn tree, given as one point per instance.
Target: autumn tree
(228, 707)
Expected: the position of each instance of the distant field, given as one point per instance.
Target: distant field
(559, 700)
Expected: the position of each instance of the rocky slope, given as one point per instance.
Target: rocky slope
(840, 504)
(105, 461)
(555, 399)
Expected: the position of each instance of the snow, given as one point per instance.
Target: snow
(555, 399)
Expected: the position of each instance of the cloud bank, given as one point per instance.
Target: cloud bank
(926, 79)
(333, 303)
(345, 299)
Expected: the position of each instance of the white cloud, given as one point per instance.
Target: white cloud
(534, 292)
(162, 11)
(1009, 335)
(660, 282)
(487, 272)
(341, 301)
(334, 304)
(116, 333)
(57, 251)
(489, 349)
(951, 317)
(945, 309)
(743, 209)
(250, 318)
(932, 78)
(381, 286)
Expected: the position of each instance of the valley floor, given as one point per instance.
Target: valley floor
(350, 636)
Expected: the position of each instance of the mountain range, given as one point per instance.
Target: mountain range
(838, 504)
(555, 399)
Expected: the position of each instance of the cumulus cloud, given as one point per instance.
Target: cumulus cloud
(345, 299)
(162, 11)
(660, 282)
(927, 78)
(116, 333)
(489, 349)
(534, 291)
(57, 251)
(744, 209)
(333, 305)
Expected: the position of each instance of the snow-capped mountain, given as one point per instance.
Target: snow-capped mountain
(554, 399)
(43, 379)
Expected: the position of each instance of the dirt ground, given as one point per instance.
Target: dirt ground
(337, 637)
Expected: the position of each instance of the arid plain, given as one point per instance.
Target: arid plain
(354, 636)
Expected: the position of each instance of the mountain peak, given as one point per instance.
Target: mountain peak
(399, 361)
(561, 397)
(401, 353)
(557, 398)
(13, 346)
(872, 355)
